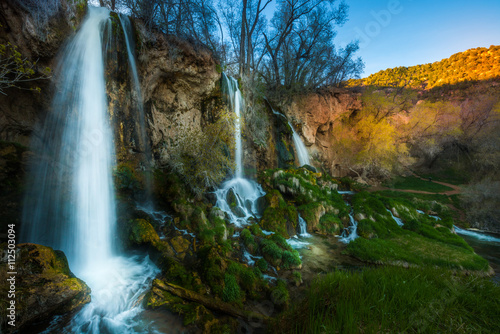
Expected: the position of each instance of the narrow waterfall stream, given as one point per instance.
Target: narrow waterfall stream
(70, 203)
(300, 148)
(238, 196)
(137, 95)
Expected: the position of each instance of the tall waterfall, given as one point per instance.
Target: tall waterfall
(238, 196)
(137, 94)
(70, 202)
(300, 148)
(236, 103)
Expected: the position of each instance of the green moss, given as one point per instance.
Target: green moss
(330, 224)
(291, 259)
(141, 232)
(271, 252)
(231, 292)
(126, 179)
(262, 264)
(279, 294)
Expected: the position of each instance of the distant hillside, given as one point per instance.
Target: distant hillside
(471, 65)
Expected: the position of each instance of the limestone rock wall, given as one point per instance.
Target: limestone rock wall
(313, 116)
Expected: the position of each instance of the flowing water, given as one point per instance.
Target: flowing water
(70, 202)
(398, 221)
(137, 97)
(238, 197)
(486, 245)
(300, 148)
(350, 232)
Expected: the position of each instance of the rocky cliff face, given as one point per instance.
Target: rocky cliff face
(178, 81)
(20, 109)
(314, 114)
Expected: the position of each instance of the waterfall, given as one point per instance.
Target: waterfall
(351, 232)
(300, 148)
(137, 94)
(398, 221)
(238, 196)
(236, 103)
(70, 202)
(303, 228)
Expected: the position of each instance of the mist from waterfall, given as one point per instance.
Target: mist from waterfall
(70, 202)
(238, 196)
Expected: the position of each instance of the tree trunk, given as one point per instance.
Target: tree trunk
(243, 37)
(207, 301)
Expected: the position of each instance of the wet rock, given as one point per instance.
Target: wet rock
(141, 232)
(359, 216)
(180, 245)
(44, 284)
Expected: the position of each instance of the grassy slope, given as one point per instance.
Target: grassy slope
(395, 300)
(414, 183)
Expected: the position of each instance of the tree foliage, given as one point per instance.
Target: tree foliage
(472, 65)
(16, 70)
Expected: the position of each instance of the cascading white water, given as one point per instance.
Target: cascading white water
(398, 221)
(236, 104)
(300, 148)
(303, 228)
(477, 235)
(350, 232)
(70, 204)
(238, 196)
(137, 94)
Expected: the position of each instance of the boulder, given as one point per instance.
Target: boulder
(44, 284)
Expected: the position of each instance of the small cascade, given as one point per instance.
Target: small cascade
(238, 196)
(303, 228)
(70, 203)
(398, 221)
(297, 241)
(300, 148)
(351, 232)
(477, 235)
(137, 97)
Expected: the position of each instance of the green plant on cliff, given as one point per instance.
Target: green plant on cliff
(16, 69)
(201, 157)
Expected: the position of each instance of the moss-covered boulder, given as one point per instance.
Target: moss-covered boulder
(44, 285)
(279, 216)
(141, 232)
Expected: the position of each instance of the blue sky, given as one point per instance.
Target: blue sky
(412, 32)
(405, 32)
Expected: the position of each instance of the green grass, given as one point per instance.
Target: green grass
(416, 250)
(412, 196)
(395, 300)
(450, 175)
(414, 183)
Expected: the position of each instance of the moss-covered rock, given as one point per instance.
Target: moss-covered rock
(141, 232)
(312, 213)
(44, 285)
(279, 216)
